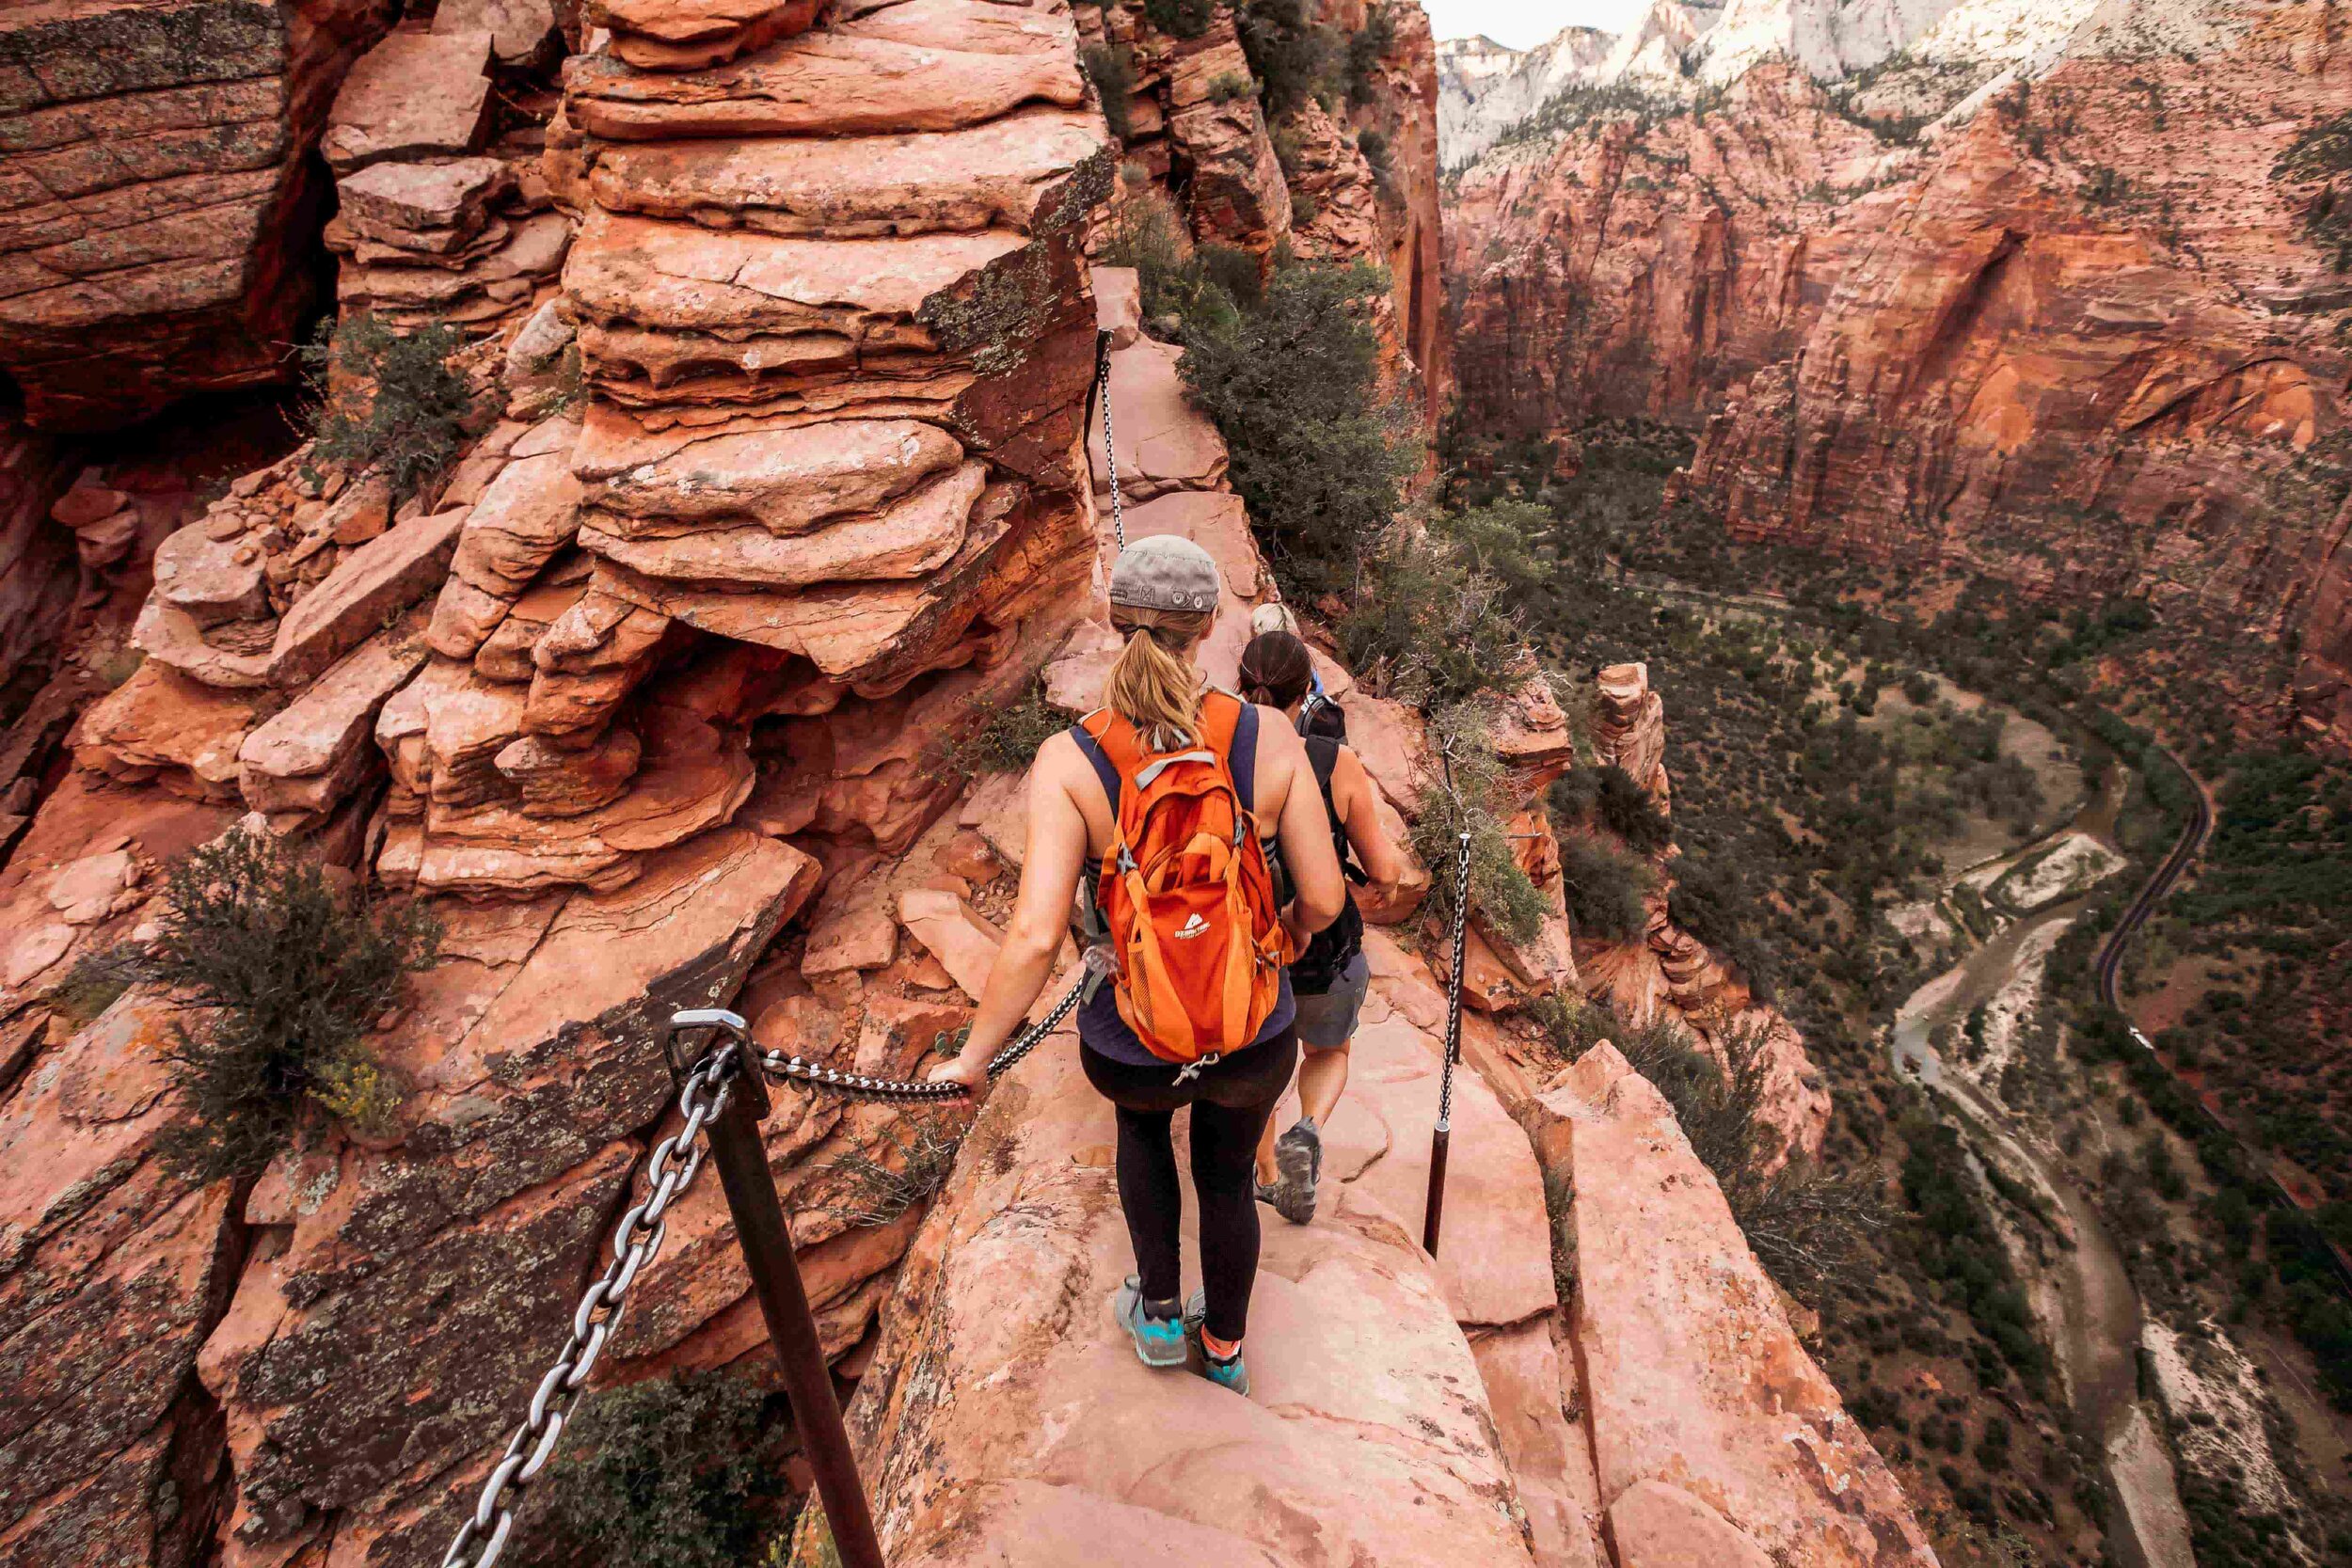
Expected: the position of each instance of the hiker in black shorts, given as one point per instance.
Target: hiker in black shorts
(1330, 978)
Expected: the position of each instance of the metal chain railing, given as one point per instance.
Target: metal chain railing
(636, 1241)
(1110, 450)
(778, 1065)
(1442, 1134)
(702, 1095)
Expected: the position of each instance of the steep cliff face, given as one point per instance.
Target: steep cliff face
(2081, 340)
(1347, 170)
(2090, 352)
(163, 195)
(1638, 269)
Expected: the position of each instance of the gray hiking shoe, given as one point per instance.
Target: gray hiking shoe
(1159, 1341)
(1298, 1155)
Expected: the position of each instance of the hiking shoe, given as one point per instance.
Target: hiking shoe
(1298, 1154)
(1229, 1375)
(1159, 1341)
(1226, 1375)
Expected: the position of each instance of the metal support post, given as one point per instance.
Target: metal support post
(736, 1148)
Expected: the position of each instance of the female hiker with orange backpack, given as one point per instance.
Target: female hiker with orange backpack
(1171, 793)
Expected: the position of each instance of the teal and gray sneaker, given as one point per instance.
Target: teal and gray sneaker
(1159, 1341)
(1229, 1375)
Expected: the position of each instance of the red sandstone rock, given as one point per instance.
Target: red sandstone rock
(160, 159)
(414, 94)
(160, 726)
(1630, 729)
(1693, 1376)
(380, 577)
(965, 944)
(302, 763)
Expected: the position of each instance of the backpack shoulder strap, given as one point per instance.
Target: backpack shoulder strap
(1105, 771)
(1232, 733)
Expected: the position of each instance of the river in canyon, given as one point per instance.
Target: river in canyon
(2091, 1310)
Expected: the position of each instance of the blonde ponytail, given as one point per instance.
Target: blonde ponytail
(1154, 686)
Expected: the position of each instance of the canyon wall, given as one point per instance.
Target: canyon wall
(164, 197)
(2079, 337)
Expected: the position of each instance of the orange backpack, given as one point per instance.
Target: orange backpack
(1197, 943)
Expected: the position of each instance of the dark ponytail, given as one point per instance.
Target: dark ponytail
(1276, 669)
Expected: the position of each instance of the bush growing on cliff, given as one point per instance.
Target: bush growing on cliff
(1427, 627)
(1293, 384)
(1007, 739)
(1608, 798)
(1111, 69)
(1605, 888)
(685, 1472)
(388, 401)
(1810, 1230)
(1500, 892)
(289, 974)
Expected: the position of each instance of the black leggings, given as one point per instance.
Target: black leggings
(1230, 1102)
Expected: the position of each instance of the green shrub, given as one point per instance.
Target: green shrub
(401, 408)
(1183, 19)
(684, 1472)
(1172, 281)
(1571, 1024)
(1289, 51)
(1374, 145)
(919, 1156)
(1426, 627)
(1293, 385)
(1111, 69)
(289, 975)
(1608, 798)
(1231, 86)
(1006, 742)
(1605, 888)
(96, 980)
(1500, 892)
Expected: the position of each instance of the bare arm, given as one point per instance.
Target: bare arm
(1303, 832)
(1359, 815)
(1050, 866)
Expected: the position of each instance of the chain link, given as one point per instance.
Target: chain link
(779, 1066)
(1454, 987)
(1110, 451)
(636, 1241)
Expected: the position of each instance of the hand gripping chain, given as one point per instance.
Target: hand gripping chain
(702, 1094)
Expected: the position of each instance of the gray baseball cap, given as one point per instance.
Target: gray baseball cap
(1165, 572)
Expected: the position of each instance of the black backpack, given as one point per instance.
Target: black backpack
(1334, 947)
(1323, 719)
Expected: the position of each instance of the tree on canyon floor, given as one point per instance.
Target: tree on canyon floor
(284, 975)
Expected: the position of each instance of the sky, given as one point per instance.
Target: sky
(1523, 24)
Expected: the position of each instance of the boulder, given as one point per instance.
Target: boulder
(821, 84)
(377, 579)
(1656, 1525)
(788, 480)
(299, 764)
(1692, 1374)
(211, 580)
(951, 931)
(413, 96)
(681, 35)
(163, 727)
(394, 201)
(527, 514)
(1118, 303)
(1009, 172)
(162, 202)
(522, 32)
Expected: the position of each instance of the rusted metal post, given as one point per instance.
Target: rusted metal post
(736, 1148)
